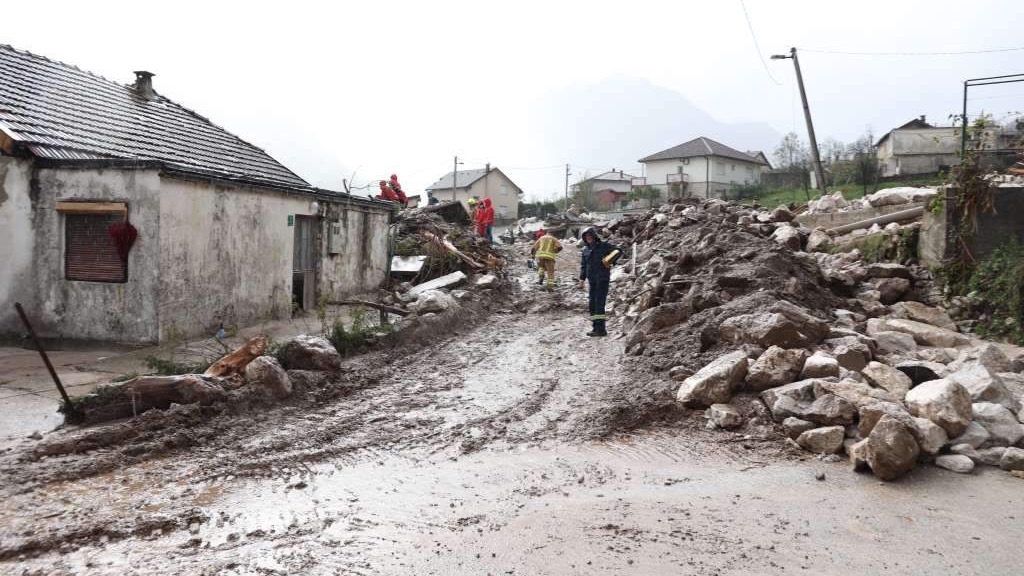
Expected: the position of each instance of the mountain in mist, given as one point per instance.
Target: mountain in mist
(618, 120)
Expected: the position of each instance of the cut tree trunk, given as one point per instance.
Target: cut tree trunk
(235, 362)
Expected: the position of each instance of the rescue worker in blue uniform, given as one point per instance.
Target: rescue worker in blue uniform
(595, 267)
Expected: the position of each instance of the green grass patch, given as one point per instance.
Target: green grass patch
(995, 289)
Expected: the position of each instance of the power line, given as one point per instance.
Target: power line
(757, 46)
(959, 53)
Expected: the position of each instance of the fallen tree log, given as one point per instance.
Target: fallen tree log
(389, 309)
(235, 362)
(145, 393)
(447, 245)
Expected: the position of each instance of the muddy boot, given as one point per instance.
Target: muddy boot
(540, 280)
(598, 330)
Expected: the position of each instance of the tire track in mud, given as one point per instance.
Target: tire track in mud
(516, 378)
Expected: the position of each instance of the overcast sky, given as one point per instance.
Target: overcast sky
(371, 88)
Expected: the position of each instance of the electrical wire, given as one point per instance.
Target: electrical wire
(757, 46)
(960, 53)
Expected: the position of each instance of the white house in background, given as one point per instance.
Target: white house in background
(759, 155)
(614, 180)
(702, 168)
(917, 147)
(486, 183)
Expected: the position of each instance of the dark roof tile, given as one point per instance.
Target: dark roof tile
(59, 111)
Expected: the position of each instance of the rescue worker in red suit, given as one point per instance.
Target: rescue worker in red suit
(402, 198)
(386, 193)
(485, 220)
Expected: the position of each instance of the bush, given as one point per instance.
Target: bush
(996, 288)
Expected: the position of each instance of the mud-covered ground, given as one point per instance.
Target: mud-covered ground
(510, 445)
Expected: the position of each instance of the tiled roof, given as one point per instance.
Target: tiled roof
(616, 175)
(58, 111)
(466, 179)
(700, 147)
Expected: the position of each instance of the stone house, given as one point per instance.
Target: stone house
(223, 233)
(484, 183)
(702, 168)
(917, 147)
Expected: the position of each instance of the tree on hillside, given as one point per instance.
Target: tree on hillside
(583, 193)
(649, 193)
(832, 151)
(866, 168)
(791, 153)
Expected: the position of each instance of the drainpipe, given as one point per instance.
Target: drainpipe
(707, 177)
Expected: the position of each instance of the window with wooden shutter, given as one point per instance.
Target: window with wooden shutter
(89, 252)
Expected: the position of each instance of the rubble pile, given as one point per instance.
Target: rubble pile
(442, 234)
(836, 202)
(842, 354)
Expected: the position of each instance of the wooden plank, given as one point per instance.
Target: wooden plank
(92, 207)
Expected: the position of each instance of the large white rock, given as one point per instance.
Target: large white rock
(788, 236)
(974, 436)
(929, 435)
(724, 415)
(265, 374)
(305, 352)
(714, 383)
(887, 377)
(986, 355)
(895, 343)
(984, 386)
(955, 462)
(433, 301)
(776, 366)
(924, 334)
(900, 195)
(922, 313)
(1002, 425)
(819, 241)
(820, 365)
(784, 324)
(892, 450)
(827, 440)
(830, 410)
(1013, 459)
(944, 402)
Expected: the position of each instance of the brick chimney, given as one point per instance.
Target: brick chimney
(144, 84)
(487, 168)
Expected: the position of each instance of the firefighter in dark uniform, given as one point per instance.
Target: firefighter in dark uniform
(595, 267)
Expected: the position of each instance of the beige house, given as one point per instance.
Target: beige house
(486, 183)
(702, 168)
(917, 147)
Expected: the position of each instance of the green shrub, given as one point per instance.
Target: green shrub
(996, 288)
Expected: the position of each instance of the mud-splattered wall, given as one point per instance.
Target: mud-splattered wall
(226, 254)
(361, 264)
(61, 308)
(17, 241)
(206, 253)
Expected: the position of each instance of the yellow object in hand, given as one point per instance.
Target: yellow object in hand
(607, 260)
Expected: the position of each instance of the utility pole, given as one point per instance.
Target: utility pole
(455, 178)
(566, 187)
(819, 171)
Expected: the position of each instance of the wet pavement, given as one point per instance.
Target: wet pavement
(488, 452)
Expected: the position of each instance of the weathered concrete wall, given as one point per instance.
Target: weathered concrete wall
(225, 254)
(18, 244)
(120, 312)
(362, 263)
(939, 231)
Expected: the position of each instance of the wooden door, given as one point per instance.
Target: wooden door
(304, 263)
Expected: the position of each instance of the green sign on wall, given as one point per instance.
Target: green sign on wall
(291, 219)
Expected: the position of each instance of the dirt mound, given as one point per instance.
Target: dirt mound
(692, 266)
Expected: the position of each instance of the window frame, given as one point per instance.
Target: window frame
(69, 210)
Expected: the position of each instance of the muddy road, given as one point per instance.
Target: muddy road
(516, 446)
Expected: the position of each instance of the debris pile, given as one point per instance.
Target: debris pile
(844, 355)
(441, 236)
(836, 202)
